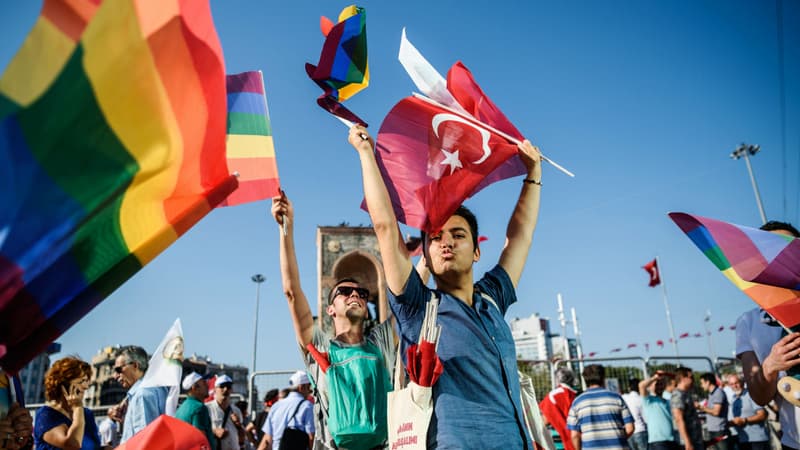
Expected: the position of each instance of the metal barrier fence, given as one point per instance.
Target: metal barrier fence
(261, 382)
(619, 371)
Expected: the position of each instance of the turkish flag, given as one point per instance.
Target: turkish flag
(167, 433)
(683, 336)
(660, 343)
(432, 160)
(652, 269)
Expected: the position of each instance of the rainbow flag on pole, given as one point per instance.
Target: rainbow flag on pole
(250, 150)
(764, 265)
(112, 145)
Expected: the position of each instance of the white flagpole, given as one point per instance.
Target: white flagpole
(577, 331)
(488, 127)
(666, 308)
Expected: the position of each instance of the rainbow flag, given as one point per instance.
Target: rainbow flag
(766, 266)
(112, 138)
(342, 70)
(250, 150)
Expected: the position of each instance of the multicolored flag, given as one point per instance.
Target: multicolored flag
(342, 70)
(112, 138)
(652, 269)
(432, 160)
(765, 265)
(250, 149)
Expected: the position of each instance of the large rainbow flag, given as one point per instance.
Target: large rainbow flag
(112, 144)
(764, 265)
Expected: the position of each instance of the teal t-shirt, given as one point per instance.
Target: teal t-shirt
(194, 412)
(658, 416)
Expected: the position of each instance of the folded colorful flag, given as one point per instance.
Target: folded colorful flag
(765, 265)
(250, 150)
(342, 70)
(112, 137)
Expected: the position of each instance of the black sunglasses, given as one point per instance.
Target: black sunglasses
(347, 291)
(118, 369)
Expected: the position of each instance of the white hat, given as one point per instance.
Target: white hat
(190, 380)
(298, 379)
(222, 379)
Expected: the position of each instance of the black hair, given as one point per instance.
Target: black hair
(774, 225)
(594, 374)
(332, 293)
(708, 376)
(471, 220)
(272, 394)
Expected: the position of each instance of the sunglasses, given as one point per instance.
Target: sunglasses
(118, 369)
(347, 291)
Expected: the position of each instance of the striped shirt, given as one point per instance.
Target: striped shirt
(600, 416)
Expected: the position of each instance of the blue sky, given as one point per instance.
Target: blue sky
(642, 100)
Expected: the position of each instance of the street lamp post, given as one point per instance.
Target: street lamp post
(257, 279)
(745, 151)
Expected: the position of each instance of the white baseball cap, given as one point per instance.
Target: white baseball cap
(190, 380)
(222, 379)
(298, 379)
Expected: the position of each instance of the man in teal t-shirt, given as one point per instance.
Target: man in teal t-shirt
(657, 413)
(192, 410)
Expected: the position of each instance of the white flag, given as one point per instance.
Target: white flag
(425, 77)
(165, 367)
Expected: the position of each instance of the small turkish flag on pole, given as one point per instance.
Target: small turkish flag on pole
(652, 270)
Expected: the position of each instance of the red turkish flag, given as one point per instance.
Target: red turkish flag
(683, 336)
(660, 343)
(652, 270)
(167, 433)
(432, 160)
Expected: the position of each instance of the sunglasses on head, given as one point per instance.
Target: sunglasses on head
(347, 291)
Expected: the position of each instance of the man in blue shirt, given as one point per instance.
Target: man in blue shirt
(599, 418)
(144, 405)
(294, 411)
(477, 398)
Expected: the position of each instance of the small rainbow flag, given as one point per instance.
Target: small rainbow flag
(250, 150)
(342, 70)
(112, 144)
(766, 266)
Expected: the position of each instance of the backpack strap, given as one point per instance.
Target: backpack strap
(291, 418)
(489, 299)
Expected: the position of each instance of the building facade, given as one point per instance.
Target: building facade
(32, 376)
(532, 338)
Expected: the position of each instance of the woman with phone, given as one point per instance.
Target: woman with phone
(63, 423)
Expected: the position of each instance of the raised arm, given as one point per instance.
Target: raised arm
(519, 233)
(282, 211)
(396, 262)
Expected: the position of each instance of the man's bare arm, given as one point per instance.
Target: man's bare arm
(302, 320)
(396, 262)
(762, 379)
(519, 233)
(677, 415)
(575, 437)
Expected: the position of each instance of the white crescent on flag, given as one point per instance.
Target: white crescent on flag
(438, 119)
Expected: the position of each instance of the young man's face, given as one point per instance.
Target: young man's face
(451, 250)
(349, 300)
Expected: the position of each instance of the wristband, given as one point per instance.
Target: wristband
(532, 181)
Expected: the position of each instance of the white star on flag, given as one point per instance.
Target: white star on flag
(451, 159)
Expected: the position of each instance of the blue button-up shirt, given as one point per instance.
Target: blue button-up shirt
(144, 406)
(280, 417)
(477, 398)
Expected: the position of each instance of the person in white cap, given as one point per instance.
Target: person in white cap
(226, 419)
(291, 419)
(192, 410)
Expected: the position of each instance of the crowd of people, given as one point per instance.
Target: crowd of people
(340, 400)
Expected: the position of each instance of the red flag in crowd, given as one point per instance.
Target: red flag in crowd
(660, 343)
(167, 433)
(432, 160)
(652, 269)
(211, 382)
(683, 336)
(631, 345)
